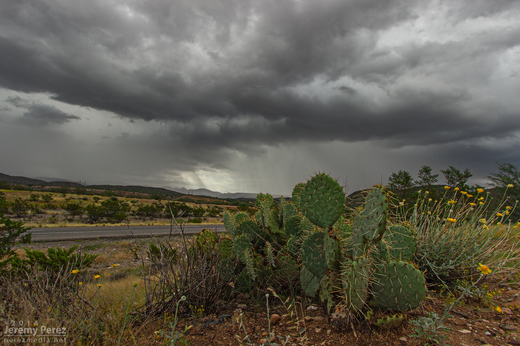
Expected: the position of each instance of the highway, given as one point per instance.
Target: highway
(77, 233)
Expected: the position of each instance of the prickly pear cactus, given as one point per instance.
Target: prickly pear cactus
(398, 286)
(371, 254)
(322, 200)
(356, 276)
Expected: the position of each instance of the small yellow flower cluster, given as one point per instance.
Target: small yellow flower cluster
(75, 271)
(484, 269)
(96, 277)
(499, 310)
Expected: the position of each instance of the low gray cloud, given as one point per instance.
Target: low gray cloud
(226, 77)
(39, 114)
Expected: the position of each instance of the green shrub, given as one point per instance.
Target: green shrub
(458, 231)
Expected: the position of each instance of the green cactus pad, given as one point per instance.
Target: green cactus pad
(229, 224)
(241, 245)
(355, 277)
(310, 282)
(399, 243)
(206, 240)
(297, 193)
(390, 322)
(312, 251)
(226, 247)
(293, 226)
(288, 212)
(327, 288)
(373, 219)
(292, 247)
(248, 228)
(398, 286)
(240, 217)
(274, 221)
(322, 200)
(332, 254)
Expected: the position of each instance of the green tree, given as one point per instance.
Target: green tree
(4, 205)
(74, 209)
(199, 212)
(11, 232)
(426, 178)
(94, 213)
(400, 182)
(507, 182)
(20, 207)
(456, 178)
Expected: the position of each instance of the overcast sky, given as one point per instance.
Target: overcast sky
(254, 95)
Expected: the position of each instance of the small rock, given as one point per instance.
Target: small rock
(403, 339)
(488, 333)
(263, 341)
(275, 318)
(465, 331)
(507, 327)
(507, 311)
(317, 330)
(312, 308)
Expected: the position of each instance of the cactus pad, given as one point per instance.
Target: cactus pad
(356, 279)
(310, 282)
(322, 200)
(229, 224)
(398, 286)
(313, 253)
(241, 245)
(373, 219)
(399, 244)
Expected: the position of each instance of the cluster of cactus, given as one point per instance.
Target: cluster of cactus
(351, 265)
(268, 243)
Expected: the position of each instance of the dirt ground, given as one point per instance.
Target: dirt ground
(244, 321)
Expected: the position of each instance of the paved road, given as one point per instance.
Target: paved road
(75, 233)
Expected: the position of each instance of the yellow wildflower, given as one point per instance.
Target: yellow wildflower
(464, 192)
(80, 283)
(469, 196)
(472, 204)
(481, 203)
(96, 277)
(447, 187)
(427, 192)
(500, 214)
(509, 185)
(499, 310)
(484, 269)
(509, 208)
(451, 220)
(480, 190)
(485, 227)
(456, 189)
(499, 224)
(482, 220)
(480, 198)
(75, 271)
(452, 201)
(115, 265)
(99, 285)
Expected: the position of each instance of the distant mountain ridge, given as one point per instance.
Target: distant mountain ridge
(210, 193)
(19, 180)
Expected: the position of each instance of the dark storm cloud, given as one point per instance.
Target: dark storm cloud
(238, 75)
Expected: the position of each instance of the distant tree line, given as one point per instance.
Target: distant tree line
(504, 182)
